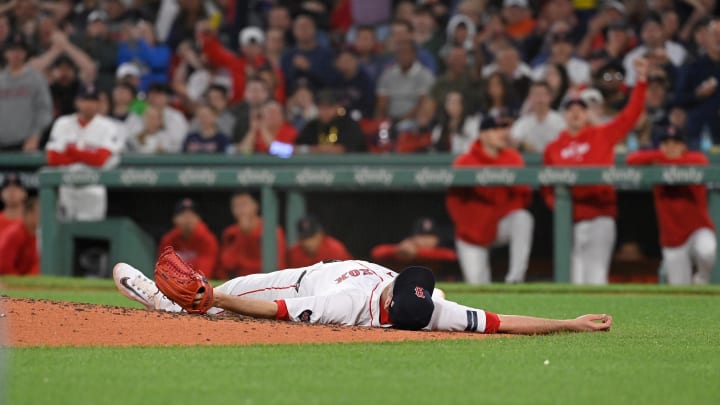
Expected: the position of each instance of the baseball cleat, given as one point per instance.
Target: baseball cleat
(133, 284)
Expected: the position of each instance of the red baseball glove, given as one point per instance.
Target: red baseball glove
(182, 284)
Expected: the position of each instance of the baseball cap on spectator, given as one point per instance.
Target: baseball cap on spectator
(574, 101)
(591, 96)
(185, 204)
(425, 226)
(671, 132)
(88, 93)
(12, 179)
(504, 120)
(615, 5)
(308, 226)
(412, 306)
(127, 69)
(251, 35)
(96, 15)
(516, 3)
(16, 41)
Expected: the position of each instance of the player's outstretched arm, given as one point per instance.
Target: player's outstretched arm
(246, 306)
(528, 325)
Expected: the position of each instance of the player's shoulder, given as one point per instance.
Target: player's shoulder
(695, 157)
(511, 155)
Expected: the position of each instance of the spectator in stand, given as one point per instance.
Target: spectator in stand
(208, 138)
(307, 59)
(424, 244)
(24, 99)
(174, 121)
(184, 21)
(96, 42)
(13, 196)
(618, 41)
(426, 34)
(455, 79)
(499, 97)
(508, 62)
(85, 139)
(612, 15)
(656, 116)
(609, 80)
(354, 88)
(247, 64)
(562, 52)
(301, 108)
(18, 243)
(266, 127)
(404, 86)
(240, 249)
(314, 245)
(519, 17)
(457, 128)
(594, 207)
(697, 91)
(64, 85)
(540, 124)
(192, 240)
(141, 47)
(61, 48)
(401, 33)
(274, 47)
(255, 96)
(152, 135)
(367, 48)
(217, 98)
(460, 32)
(653, 42)
(128, 73)
(559, 81)
(123, 102)
(698, 39)
(489, 216)
(332, 131)
(279, 19)
(687, 234)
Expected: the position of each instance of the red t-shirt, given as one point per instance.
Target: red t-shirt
(286, 134)
(476, 211)
(594, 146)
(241, 253)
(200, 250)
(330, 248)
(18, 250)
(681, 210)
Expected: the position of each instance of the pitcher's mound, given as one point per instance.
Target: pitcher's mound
(29, 322)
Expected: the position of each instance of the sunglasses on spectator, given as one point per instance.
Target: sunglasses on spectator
(609, 76)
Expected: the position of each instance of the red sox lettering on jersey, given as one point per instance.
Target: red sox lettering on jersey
(575, 151)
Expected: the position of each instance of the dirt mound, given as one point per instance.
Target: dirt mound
(56, 323)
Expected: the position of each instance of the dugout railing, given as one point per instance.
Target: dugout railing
(296, 176)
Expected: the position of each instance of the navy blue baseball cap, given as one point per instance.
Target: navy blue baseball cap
(412, 306)
(671, 132)
(308, 226)
(184, 205)
(504, 120)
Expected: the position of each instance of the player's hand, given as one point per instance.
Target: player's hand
(31, 144)
(641, 69)
(406, 250)
(592, 323)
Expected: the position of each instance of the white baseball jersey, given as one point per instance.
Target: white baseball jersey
(85, 203)
(347, 293)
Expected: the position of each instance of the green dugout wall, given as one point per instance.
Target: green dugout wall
(356, 173)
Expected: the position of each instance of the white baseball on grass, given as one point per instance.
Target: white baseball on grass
(546, 362)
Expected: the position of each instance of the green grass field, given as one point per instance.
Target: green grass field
(664, 349)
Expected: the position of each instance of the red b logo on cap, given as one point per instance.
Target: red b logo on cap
(420, 292)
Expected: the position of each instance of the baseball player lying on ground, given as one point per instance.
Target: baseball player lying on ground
(350, 293)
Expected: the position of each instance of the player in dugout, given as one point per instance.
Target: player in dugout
(687, 234)
(349, 293)
(314, 245)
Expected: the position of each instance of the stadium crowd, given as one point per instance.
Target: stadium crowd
(89, 80)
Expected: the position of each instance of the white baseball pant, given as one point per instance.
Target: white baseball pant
(699, 249)
(515, 229)
(82, 203)
(593, 245)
